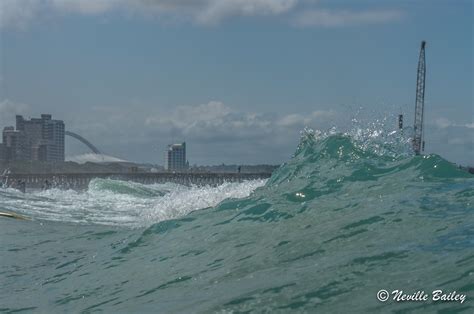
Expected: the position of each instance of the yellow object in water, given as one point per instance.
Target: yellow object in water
(12, 215)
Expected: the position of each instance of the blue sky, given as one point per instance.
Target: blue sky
(236, 79)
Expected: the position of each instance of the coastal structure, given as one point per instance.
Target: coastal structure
(81, 180)
(37, 139)
(175, 157)
(81, 139)
(418, 141)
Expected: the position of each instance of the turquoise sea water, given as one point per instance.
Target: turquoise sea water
(341, 220)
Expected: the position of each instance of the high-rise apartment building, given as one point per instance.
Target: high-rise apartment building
(14, 144)
(35, 139)
(3, 152)
(45, 137)
(175, 157)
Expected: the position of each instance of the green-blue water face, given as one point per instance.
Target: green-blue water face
(333, 226)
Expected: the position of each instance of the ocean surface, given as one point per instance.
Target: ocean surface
(346, 216)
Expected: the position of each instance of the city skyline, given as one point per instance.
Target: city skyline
(239, 79)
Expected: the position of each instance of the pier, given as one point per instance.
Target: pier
(81, 180)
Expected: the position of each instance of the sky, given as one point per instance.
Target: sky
(236, 79)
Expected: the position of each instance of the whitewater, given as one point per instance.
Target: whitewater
(347, 216)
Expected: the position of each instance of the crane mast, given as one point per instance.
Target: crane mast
(418, 141)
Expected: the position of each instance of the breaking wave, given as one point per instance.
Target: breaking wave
(121, 203)
(348, 215)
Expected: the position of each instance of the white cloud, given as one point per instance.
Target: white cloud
(18, 13)
(211, 121)
(86, 6)
(452, 140)
(291, 119)
(303, 120)
(217, 121)
(331, 18)
(457, 141)
(216, 10)
(444, 123)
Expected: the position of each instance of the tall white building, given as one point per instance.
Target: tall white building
(175, 157)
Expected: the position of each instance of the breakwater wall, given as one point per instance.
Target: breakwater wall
(81, 180)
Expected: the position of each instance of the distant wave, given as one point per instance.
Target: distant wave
(81, 159)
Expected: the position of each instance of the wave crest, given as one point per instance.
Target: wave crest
(322, 157)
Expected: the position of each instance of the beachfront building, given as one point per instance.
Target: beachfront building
(44, 137)
(175, 157)
(3, 152)
(38, 139)
(14, 145)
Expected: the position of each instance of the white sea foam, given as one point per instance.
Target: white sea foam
(120, 203)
